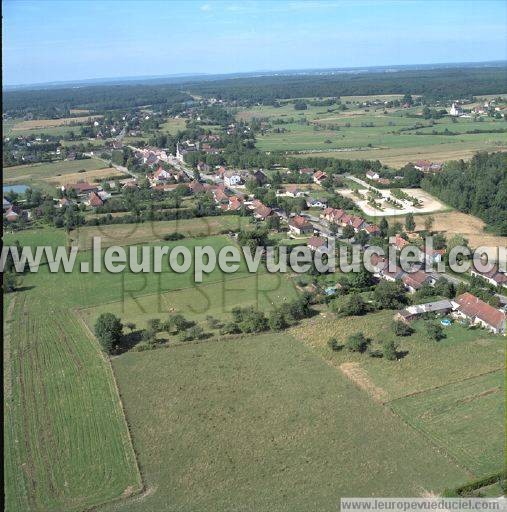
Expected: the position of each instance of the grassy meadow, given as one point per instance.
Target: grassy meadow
(426, 364)
(262, 423)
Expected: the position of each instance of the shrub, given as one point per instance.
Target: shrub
(276, 321)
(390, 350)
(230, 328)
(435, 331)
(357, 342)
(154, 325)
(334, 345)
(402, 329)
(173, 236)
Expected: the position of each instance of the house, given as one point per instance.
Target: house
(413, 281)
(432, 256)
(262, 212)
(384, 181)
(298, 225)
(479, 313)
(332, 215)
(319, 177)
(306, 170)
(493, 276)
(316, 242)
(130, 184)
(203, 167)
(161, 175)
(63, 202)
(316, 203)
(232, 178)
(260, 178)
(94, 200)
(81, 188)
(399, 242)
(412, 312)
(7, 204)
(12, 214)
(235, 203)
(371, 175)
(196, 187)
(220, 196)
(356, 222)
(372, 229)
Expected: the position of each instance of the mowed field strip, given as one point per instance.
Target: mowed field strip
(68, 443)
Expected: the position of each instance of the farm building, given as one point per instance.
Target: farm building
(412, 312)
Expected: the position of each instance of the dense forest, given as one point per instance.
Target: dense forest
(478, 187)
(433, 84)
(55, 103)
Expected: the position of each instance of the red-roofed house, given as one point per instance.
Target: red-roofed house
(414, 280)
(319, 177)
(94, 200)
(316, 242)
(399, 242)
(262, 212)
(81, 188)
(235, 203)
(480, 313)
(298, 225)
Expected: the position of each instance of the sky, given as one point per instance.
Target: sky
(47, 40)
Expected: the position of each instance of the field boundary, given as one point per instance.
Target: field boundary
(440, 386)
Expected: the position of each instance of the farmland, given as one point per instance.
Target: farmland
(469, 411)
(48, 173)
(68, 444)
(154, 231)
(394, 137)
(259, 424)
(41, 124)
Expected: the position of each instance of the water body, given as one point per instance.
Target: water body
(18, 189)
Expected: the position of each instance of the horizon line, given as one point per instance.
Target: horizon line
(130, 78)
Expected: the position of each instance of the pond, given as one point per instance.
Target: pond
(18, 189)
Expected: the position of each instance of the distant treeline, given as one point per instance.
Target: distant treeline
(54, 103)
(434, 84)
(478, 187)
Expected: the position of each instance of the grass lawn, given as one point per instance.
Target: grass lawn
(128, 234)
(464, 353)
(262, 423)
(173, 126)
(466, 418)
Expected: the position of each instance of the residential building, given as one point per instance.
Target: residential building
(480, 313)
(298, 225)
(493, 276)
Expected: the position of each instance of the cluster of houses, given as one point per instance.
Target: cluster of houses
(89, 194)
(466, 307)
(13, 212)
(342, 218)
(427, 166)
(487, 108)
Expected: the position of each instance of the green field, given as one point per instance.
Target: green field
(262, 423)
(465, 418)
(68, 447)
(368, 133)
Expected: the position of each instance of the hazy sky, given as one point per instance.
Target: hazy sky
(71, 40)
